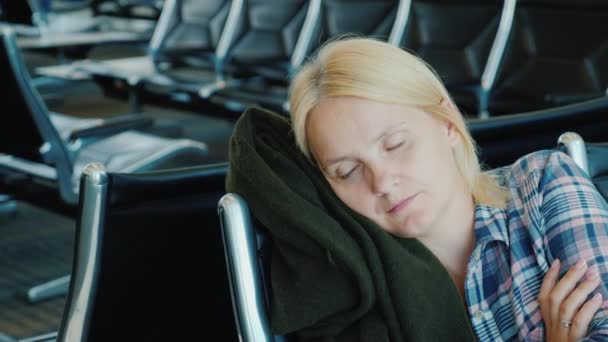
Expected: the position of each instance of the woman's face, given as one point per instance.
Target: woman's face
(391, 163)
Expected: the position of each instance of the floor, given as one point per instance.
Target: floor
(35, 246)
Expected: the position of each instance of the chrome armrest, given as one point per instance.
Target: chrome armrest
(207, 90)
(112, 126)
(575, 147)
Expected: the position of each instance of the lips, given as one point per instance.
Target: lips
(401, 205)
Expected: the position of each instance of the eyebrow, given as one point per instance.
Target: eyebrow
(389, 131)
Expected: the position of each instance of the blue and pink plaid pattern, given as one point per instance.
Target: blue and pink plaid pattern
(555, 212)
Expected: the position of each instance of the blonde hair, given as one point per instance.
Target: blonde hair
(374, 70)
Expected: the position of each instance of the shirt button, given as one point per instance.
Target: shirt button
(478, 314)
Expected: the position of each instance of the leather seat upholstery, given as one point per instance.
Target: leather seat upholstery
(149, 263)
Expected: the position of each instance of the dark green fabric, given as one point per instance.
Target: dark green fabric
(335, 275)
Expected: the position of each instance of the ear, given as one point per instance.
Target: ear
(453, 135)
(451, 132)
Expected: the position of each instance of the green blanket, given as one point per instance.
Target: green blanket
(335, 275)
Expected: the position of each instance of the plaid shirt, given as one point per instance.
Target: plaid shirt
(555, 212)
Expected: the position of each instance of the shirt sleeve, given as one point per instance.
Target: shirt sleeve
(575, 218)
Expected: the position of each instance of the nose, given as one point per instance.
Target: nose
(381, 180)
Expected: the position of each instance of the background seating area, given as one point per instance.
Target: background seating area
(496, 57)
(133, 78)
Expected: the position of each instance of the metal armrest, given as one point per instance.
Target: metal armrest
(63, 7)
(208, 89)
(7, 338)
(246, 286)
(51, 289)
(40, 170)
(112, 126)
(50, 337)
(575, 147)
(8, 207)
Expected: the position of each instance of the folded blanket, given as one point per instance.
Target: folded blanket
(335, 275)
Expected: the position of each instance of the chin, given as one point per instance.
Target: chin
(408, 233)
(410, 230)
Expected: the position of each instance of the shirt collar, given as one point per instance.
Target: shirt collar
(491, 225)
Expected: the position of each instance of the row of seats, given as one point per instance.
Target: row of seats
(196, 59)
(496, 57)
(23, 12)
(54, 148)
(131, 281)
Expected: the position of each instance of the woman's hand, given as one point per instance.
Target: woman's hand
(565, 309)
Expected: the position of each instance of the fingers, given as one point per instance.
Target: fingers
(563, 289)
(567, 299)
(580, 322)
(578, 296)
(549, 282)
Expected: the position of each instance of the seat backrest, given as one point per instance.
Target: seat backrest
(269, 33)
(555, 55)
(464, 41)
(591, 157)
(18, 12)
(149, 263)
(374, 18)
(246, 270)
(20, 136)
(454, 37)
(190, 30)
(597, 156)
(27, 131)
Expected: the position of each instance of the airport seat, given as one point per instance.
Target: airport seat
(189, 32)
(464, 42)
(299, 28)
(187, 51)
(246, 260)
(271, 44)
(555, 56)
(148, 259)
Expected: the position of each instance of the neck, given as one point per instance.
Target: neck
(453, 239)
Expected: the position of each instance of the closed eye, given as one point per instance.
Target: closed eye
(394, 147)
(349, 173)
